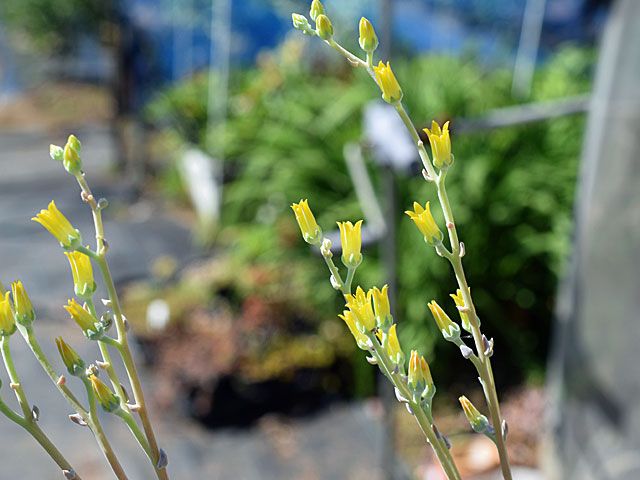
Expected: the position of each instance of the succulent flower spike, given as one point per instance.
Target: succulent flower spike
(75, 365)
(391, 91)
(82, 272)
(351, 239)
(324, 28)
(381, 305)
(440, 144)
(360, 305)
(108, 400)
(57, 224)
(311, 232)
(449, 329)
(368, 39)
(361, 339)
(7, 320)
(90, 325)
(24, 312)
(425, 222)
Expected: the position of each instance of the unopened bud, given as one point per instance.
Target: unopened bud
(324, 28)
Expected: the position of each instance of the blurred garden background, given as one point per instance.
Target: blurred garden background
(203, 120)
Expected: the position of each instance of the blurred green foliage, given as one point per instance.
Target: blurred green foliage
(512, 189)
(54, 26)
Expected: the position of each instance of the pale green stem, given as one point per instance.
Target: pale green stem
(135, 430)
(334, 271)
(423, 418)
(98, 431)
(124, 350)
(347, 284)
(28, 422)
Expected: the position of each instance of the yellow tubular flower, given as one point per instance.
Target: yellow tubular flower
(419, 373)
(82, 272)
(7, 321)
(391, 91)
(425, 222)
(75, 365)
(349, 318)
(22, 304)
(57, 224)
(307, 222)
(106, 398)
(360, 305)
(440, 144)
(87, 322)
(445, 324)
(324, 28)
(368, 39)
(351, 239)
(459, 301)
(381, 304)
(393, 345)
(425, 372)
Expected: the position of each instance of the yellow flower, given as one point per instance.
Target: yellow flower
(7, 320)
(75, 365)
(316, 9)
(393, 346)
(307, 222)
(440, 144)
(391, 91)
(446, 326)
(419, 373)
(368, 39)
(106, 398)
(360, 305)
(425, 222)
(459, 301)
(24, 310)
(89, 324)
(82, 272)
(351, 239)
(349, 318)
(71, 156)
(57, 224)
(324, 28)
(478, 422)
(381, 304)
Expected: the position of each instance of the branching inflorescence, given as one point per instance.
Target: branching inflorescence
(367, 314)
(18, 314)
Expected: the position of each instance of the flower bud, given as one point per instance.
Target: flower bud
(57, 224)
(7, 320)
(83, 284)
(425, 222)
(464, 316)
(381, 305)
(391, 91)
(90, 325)
(24, 313)
(324, 28)
(449, 329)
(419, 373)
(393, 346)
(56, 153)
(106, 398)
(316, 10)
(351, 240)
(75, 365)
(368, 39)
(71, 156)
(311, 232)
(440, 144)
(479, 422)
(300, 22)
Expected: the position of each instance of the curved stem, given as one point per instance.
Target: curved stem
(135, 430)
(16, 385)
(98, 431)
